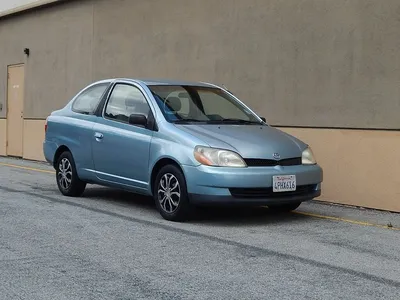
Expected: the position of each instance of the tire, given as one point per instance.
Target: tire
(172, 201)
(67, 179)
(288, 207)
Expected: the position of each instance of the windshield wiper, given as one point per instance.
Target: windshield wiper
(187, 121)
(239, 121)
(234, 121)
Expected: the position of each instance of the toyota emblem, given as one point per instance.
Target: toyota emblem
(276, 155)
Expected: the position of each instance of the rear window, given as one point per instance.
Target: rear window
(87, 102)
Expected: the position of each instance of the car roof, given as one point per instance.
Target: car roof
(174, 82)
(151, 82)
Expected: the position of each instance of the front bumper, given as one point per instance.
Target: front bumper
(250, 186)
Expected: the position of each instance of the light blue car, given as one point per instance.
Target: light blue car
(184, 143)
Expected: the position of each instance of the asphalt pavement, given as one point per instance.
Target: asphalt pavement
(111, 244)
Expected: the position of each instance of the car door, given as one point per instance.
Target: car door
(121, 150)
(76, 132)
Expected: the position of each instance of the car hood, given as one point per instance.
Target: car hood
(250, 141)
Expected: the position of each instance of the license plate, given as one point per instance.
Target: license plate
(284, 183)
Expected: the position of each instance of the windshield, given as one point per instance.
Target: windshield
(188, 104)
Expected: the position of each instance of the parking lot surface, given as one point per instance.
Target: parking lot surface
(111, 244)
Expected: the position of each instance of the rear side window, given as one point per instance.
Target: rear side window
(87, 102)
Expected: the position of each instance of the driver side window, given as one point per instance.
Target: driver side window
(124, 101)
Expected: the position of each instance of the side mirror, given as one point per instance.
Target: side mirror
(138, 119)
(263, 119)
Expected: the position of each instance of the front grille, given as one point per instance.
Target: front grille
(257, 162)
(268, 193)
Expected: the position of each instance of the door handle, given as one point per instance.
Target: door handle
(99, 136)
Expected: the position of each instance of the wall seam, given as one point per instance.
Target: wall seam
(91, 44)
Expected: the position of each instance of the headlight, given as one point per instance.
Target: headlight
(218, 157)
(307, 157)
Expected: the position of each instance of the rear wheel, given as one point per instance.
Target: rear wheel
(68, 181)
(170, 194)
(284, 207)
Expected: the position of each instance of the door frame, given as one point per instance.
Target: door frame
(10, 66)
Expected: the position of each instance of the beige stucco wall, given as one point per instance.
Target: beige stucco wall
(360, 167)
(60, 42)
(33, 139)
(318, 63)
(3, 136)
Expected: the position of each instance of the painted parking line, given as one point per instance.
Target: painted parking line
(361, 223)
(332, 218)
(27, 168)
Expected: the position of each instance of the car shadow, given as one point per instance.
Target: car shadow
(242, 216)
(216, 215)
(120, 197)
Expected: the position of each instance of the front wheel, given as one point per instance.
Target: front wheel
(68, 181)
(284, 207)
(170, 194)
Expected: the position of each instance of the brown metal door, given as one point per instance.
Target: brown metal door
(15, 108)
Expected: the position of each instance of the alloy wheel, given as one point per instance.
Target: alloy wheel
(65, 173)
(169, 193)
